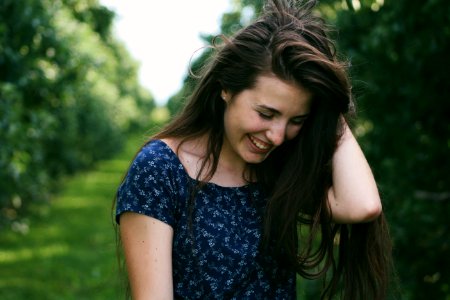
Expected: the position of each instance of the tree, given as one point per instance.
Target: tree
(68, 93)
(399, 51)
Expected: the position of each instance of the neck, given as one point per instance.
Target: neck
(229, 168)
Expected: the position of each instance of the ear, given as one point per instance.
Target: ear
(225, 95)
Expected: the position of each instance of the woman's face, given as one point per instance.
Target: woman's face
(259, 119)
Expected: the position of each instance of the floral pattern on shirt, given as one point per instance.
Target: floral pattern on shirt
(217, 256)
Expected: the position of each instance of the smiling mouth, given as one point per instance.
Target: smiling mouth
(259, 144)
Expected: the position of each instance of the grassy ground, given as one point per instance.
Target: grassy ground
(69, 251)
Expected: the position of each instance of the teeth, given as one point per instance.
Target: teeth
(259, 145)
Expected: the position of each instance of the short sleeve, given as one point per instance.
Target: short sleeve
(147, 188)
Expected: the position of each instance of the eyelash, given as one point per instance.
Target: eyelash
(269, 117)
(300, 122)
(265, 116)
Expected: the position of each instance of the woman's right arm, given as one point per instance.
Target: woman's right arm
(147, 244)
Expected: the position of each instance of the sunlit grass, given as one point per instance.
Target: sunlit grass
(69, 251)
(14, 256)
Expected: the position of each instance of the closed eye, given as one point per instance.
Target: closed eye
(264, 115)
(298, 121)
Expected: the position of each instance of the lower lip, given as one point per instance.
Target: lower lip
(256, 149)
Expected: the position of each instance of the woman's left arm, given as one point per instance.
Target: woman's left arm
(354, 197)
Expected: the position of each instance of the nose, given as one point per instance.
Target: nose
(277, 133)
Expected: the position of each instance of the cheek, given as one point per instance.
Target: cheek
(251, 122)
(293, 131)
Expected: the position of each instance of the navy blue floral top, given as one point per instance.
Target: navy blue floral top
(218, 256)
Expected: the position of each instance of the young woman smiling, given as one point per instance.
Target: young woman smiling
(212, 206)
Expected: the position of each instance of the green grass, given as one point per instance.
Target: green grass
(69, 251)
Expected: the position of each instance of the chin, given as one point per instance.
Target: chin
(255, 160)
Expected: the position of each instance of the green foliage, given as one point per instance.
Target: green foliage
(68, 92)
(399, 51)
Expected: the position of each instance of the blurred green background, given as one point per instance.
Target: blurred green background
(72, 114)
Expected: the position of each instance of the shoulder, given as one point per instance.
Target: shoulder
(155, 151)
(153, 183)
(194, 147)
(154, 158)
(154, 147)
(170, 142)
(154, 169)
(189, 152)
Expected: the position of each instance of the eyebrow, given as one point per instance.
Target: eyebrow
(277, 112)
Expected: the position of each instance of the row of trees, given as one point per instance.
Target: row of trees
(68, 93)
(399, 51)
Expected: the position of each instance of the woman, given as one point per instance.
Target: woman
(211, 205)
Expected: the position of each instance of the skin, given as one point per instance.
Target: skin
(147, 244)
(354, 196)
(256, 121)
(259, 119)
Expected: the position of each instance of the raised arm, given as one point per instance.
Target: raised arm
(354, 197)
(147, 245)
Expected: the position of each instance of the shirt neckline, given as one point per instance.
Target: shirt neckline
(211, 184)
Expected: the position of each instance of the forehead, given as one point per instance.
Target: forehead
(284, 96)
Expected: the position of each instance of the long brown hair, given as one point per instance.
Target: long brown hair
(288, 40)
